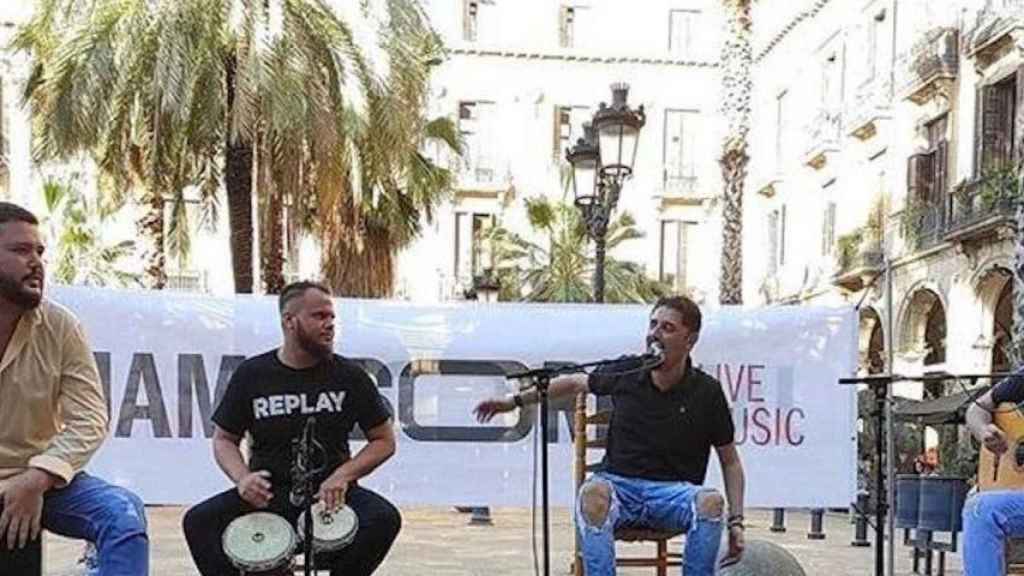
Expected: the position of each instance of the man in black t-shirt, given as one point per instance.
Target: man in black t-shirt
(271, 397)
(991, 517)
(664, 423)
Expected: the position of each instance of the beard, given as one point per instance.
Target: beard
(312, 346)
(14, 292)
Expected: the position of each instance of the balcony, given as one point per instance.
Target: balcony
(922, 226)
(931, 66)
(991, 35)
(985, 210)
(858, 260)
(870, 104)
(824, 135)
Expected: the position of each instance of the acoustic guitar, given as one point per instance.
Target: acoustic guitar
(1005, 472)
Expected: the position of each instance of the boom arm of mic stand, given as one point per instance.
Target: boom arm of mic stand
(544, 375)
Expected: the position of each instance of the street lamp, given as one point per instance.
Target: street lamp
(601, 162)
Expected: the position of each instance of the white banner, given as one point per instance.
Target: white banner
(165, 358)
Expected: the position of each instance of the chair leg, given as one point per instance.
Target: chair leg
(662, 558)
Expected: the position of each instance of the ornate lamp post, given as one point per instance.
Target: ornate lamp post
(601, 162)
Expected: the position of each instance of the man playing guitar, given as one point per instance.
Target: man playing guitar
(992, 516)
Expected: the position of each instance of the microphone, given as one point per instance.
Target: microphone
(655, 355)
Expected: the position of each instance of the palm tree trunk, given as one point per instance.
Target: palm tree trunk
(737, 57)
(238, 158)
(365, 271)
(272, 252)
(151, 227)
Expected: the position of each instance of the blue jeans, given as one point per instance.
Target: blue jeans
(649, 504)
(989, 519)
(109, 516)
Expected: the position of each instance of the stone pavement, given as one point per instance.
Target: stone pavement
(439, 542)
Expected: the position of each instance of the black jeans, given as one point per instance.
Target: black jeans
(379, 523)
(27, 561)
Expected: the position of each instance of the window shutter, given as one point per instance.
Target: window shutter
(991, 135)
(919, 177)
(1004, 125)
(941, 178)
(979, 148)
(1015, 119)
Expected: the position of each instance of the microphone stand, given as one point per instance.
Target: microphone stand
(541, 380)
(306, 457)
(878, 384)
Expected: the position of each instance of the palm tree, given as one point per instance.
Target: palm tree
(562, 271)
(737, 58)
(74, 227)
(175, 93)
(399, 183)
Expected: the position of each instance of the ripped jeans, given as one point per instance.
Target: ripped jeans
(989, 519)
(649, 504)
(110, 516)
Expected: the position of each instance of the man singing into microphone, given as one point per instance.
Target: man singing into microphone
(664, 423)
(272, 396)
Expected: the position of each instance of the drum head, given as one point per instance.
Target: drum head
(259, 541)
(331, 531)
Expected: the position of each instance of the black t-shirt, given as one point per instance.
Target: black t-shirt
(659, 435)
(273, 401)
(1010, 389)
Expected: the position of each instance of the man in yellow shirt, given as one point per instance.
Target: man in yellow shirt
(52, 419)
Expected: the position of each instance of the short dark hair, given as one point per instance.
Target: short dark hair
(296, 290)
(11, 212)
(687, 309)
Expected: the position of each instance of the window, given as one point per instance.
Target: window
(997, 105)
(566, 20)
(682, 31)
(568, 127)
(776, 240)
(479, 20)
(782, 236)
(476, 125)
(470, 20)
(828, 228)
(780, 129)
(472, 251)
(674, 260)
(874, 37)
(830, 88)
(927, 175)
(575, 27)
(680, 150)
